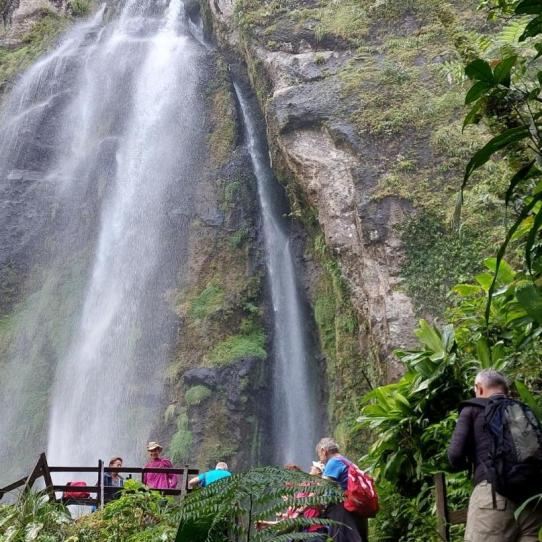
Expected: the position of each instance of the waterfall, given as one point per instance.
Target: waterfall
(295, 409)
(99, 149)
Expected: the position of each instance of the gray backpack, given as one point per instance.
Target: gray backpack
(514, 465)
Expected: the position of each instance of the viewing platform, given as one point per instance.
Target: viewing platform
(43, 470)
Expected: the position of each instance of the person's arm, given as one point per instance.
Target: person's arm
(194, 482)
(461, 443)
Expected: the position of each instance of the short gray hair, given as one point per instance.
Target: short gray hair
(493, 379)
(221, 465)
(328, 445)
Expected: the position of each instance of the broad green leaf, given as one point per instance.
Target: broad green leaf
(497, 352)
(401, 399)
(532, 29)
(476, 91)
(466, 290)
(499, 142)
(502, 249)
(423, 385)
(502, 70)
(483, 353)
(529, 399)
(530, 299)
(473, 116)
(532, 237)
(524, 173)
(506, 273)
(484, 280)
(480, 70)
(529, 7)
(448, 337)
(429, 336)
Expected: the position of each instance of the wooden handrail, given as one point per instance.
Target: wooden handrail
(13, 486)
(43, 470)
(131, 470)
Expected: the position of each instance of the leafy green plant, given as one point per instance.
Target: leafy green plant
(506, 93)
(80, 8)
(208, 301)
(230, 508)
(196, 394)
(33, 517)
(246, 344)
(411, 418)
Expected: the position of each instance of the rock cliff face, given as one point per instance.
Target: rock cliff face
(362, 104)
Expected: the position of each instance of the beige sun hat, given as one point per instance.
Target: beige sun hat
(153, 446)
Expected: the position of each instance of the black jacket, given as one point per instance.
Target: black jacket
(471, 443)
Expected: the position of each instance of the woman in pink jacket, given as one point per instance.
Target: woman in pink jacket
(158, 480)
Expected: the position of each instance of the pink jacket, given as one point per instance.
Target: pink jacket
(159, 480)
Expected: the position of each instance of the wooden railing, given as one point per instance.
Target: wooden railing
(43, 470)
(445, 516)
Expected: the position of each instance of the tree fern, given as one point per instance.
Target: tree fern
(228, 510)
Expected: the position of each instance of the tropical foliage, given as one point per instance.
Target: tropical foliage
(226, 510)
(229, 509)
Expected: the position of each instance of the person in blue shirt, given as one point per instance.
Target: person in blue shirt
(351, 527)
(206, 478)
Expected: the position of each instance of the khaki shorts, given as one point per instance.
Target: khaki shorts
(488, 524)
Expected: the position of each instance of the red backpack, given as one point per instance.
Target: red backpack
(76, 494)
(360, 496)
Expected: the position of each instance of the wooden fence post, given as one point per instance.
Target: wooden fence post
(47, 477)
(443, 526)
(100, 494)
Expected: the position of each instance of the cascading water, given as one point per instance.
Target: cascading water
(100, 147)
(99, 150)
(295, 409)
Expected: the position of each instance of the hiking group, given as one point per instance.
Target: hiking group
(497, 438)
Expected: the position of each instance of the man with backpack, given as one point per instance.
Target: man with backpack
(361, 500)
(501, 440)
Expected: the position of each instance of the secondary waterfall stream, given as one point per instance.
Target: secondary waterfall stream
(295, 408)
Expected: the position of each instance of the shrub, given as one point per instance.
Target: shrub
(196, 394)
(210, 300)
(246, 345)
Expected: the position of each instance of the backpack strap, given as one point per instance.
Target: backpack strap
(477, 402)
(494, 426)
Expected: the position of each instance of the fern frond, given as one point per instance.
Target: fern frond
(229, 508)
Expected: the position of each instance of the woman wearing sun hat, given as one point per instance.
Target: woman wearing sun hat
(158, 480)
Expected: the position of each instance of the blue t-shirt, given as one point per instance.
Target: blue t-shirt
(337, 470)
(212, 476)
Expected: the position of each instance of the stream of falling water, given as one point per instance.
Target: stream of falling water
(110, 125)
(295, 408)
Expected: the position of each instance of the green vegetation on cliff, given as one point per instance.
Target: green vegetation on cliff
(35, 42)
